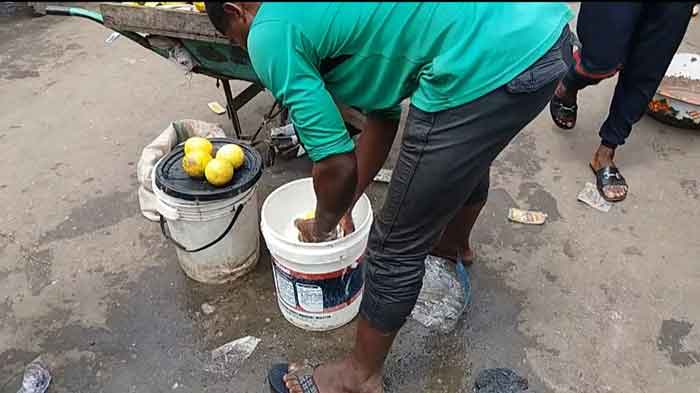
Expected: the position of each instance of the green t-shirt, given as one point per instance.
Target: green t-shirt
(441, 55)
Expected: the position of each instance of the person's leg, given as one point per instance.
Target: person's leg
(658, 35)
(604, 30)
(443, 158)
(454, 241)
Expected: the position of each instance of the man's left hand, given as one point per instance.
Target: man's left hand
(308, 233)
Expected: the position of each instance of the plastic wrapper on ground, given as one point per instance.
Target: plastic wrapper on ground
(36, 378)
(500, 380)
(442, 300)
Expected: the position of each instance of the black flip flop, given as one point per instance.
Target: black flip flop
(609, 176)
(304, 375)
(562, 113)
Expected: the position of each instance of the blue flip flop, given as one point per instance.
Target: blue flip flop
(304, 375)
(463, 277)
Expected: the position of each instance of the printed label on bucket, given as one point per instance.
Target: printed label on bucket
(318, 293)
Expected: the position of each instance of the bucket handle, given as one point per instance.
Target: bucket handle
(239, 208)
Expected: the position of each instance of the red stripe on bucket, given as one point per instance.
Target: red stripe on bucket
(316, 276)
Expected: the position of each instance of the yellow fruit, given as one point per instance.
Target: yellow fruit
(195, 162)
(199, 144)
(219, 172)
(309, 215)
(199, 5)
(233, 154)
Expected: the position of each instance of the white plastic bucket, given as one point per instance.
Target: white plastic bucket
(319, 285)
(194, 224)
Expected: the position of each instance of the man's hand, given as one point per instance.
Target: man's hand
(347, 225)
(308, 230)
(335, 178)
(340, 180)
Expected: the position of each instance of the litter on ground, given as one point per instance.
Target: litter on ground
(36, 378)
(216, 108)
(529, 217)
(227, 359)
(384, 175)
(591, 197)
(500, 380)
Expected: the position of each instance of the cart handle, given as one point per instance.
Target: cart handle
(95, 17)
(74, 11)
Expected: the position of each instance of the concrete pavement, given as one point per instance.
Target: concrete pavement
(589, 302)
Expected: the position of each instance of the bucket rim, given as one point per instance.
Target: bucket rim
(355, 236)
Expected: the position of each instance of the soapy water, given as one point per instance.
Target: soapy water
(292, 233)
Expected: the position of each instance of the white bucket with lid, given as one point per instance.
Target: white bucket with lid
(319, 285)
(215, 229)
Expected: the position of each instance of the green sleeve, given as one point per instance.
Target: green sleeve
(284, 61)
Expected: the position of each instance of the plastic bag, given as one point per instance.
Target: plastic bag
(500, 380)
(177, 132)
(36, 378)
(176, 52)
(444, 296)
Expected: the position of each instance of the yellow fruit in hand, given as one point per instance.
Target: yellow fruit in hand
(219, 172)
(233, 154)
(198, 144)
(309, 215)
(195, 162)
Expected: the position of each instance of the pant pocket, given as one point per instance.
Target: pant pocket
(547, 69)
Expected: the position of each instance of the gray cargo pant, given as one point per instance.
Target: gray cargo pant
(444, 165)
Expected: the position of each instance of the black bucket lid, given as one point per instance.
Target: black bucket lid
(172, 179)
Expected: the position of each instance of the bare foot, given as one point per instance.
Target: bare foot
(604, 157)
(338, 377)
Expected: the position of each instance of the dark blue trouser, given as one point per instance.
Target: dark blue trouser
(636, 39)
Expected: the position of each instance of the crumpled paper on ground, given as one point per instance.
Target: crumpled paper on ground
(176, 133)
(591, 197)
(36, 378)
(227, 358)
(530, 217)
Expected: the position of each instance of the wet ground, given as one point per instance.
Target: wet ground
(589, 302)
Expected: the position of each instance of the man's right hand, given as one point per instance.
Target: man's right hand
(347, 225)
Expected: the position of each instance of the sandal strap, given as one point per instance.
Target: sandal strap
(307, 384)
(611, 176)
(566, 108)
(304, 376)
(559, 102)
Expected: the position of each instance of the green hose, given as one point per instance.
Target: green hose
(96, 16)
(74, 11)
